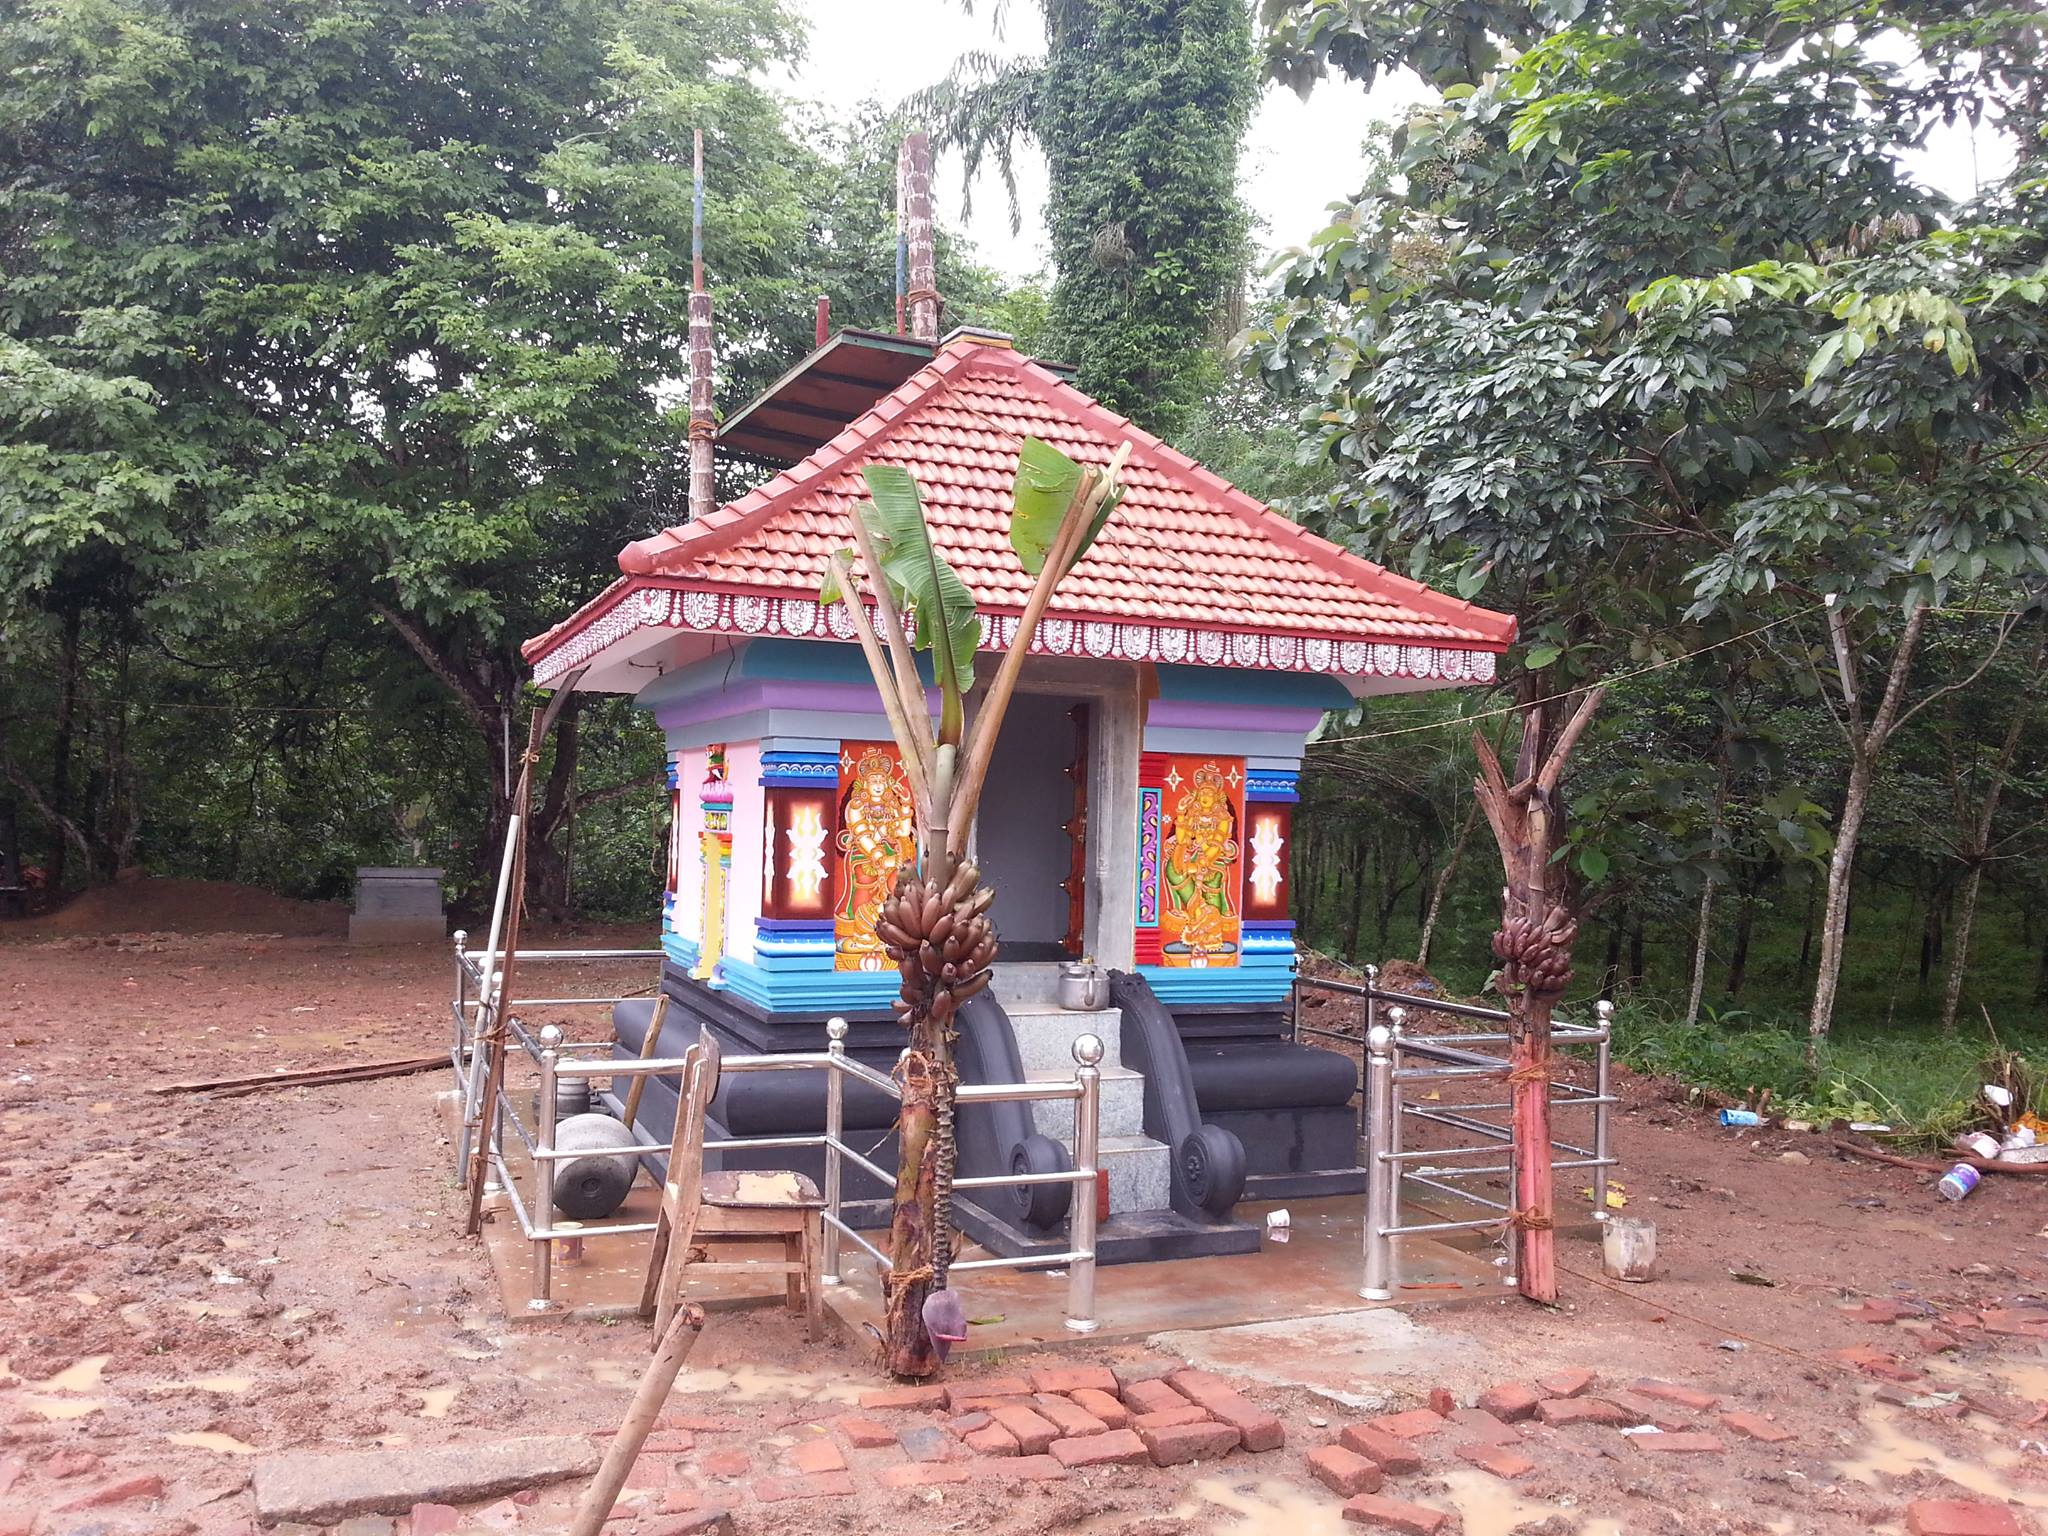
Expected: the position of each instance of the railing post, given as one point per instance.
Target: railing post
(461, 1004)
(544, 1173)
(1081, 1214)
(835, 1126)
(1601, 1082)
(474, 1111)
(1368, 1016)
(1382, 1174)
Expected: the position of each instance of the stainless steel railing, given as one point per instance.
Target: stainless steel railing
(1388, 1069)
(555, 1058)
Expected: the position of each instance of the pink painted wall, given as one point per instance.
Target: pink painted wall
(749, 826)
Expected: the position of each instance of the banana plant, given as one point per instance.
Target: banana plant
(935, 925)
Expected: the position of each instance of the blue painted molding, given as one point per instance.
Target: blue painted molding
(1266, 786)
(1268, 690)
(806, 983)
(1257, 978)
(799, 769)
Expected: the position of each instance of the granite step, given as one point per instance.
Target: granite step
(1045, 1036)
(1140, 1173)
(1122, 1111)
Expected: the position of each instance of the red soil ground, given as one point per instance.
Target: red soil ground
(186, 1284)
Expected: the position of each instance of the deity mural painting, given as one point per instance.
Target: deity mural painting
(1190, 874)
(877, 837)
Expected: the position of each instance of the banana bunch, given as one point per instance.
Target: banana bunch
(940, 938)
(1536, 957)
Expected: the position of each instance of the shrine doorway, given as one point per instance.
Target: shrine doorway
(1031, 838)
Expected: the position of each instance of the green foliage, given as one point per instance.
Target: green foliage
(1140, 107)
(920, 579)
(1047, 481)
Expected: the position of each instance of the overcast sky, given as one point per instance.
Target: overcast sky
(1301, 156)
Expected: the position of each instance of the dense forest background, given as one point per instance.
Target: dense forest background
(339, 353)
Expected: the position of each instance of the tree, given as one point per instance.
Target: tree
(350, 330)
(935, 925)
(1140, 107)
(1659, 311)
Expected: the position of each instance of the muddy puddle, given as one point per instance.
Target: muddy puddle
(1892, 1451)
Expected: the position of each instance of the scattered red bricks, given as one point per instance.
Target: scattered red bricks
(1104, 1406)
(1873, 1362)
(71, 1464)
(1068, 1416)
(1483, 1428)
(678, 1501)
(726, 1464)
(1415, 1424)
(144, 1486)
(1511, 1400)
(925, 1442)
(1497, 1459)
(435, 1519)
(1074, 1378)
(2014, 1322)
(1641, 1410)
(1151, 1397)
(1390, 1453)
(1877, 1310)
(1344, 1472)
(650, 1472)
(1383, 1513)
(968, 1423)
(825, 1485)
(1258, 1429)
(1031, 1430)
(866, 1434)
(905, 1397)
(1754, 1426)
(1565, 1413)
(992, 1440)
(1119, 1447)
(1570, 1383)
(1174, 1444)
(1960, 1517)
(671, 1442)
(1441, 1402)
(819, 1455)
(922, 1474)
(703, 1522)
(1677, 1394)
(1686, 1443)
(1033, 1469)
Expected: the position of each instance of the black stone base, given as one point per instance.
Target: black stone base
(1134, 1237)
(1304, 1186)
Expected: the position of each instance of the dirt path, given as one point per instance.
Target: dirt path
(186, 1284)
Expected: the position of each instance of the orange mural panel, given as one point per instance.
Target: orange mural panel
(1200, 877)
(877, 837)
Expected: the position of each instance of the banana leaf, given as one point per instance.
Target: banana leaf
(1046, 482)
(924, 584)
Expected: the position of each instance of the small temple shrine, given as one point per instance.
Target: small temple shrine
(1138, 813)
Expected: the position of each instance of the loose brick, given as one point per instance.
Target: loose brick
(1415, 1424)
(670, 1442)
(702, 1522)
(1120, 1447)
(1382, 1513)
(702, 1423)
(1186, 1413)
(2015, 1322)
(992, 1440)
(146, 1485)
(1113, 1414)
(726, 1464)
(650, 1472)
(1754, 1426)
(71, 1464)
(1151, 1397)
(1035, 1469)
(819, 1455)
(1641, 1410)
(1878, 1310)
(1677, 1394)
(1068, 1416)
(866, 1434)
(679, 1501)
(922, 1474)
(1176, 1444)
(1875, 1362)
(1566, 1412)
(979, 1392)
(435, 1519)
(1033, 1431)
(1482, 1428)
(1390, 1453)
(825, 1485)
(1497, 1459)
(1441, 1402)
(1572, 1383)
(1257, 1429)
(1687, 1443)
(968, 1423)
(1960, 1517)
(909, 1399)
(1511, 1400)
(1344, 1472)
(1074, 1378)
(925, 1442)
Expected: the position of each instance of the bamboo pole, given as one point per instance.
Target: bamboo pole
(677, 1341)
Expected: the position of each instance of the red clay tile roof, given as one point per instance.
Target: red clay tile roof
(1184, 548)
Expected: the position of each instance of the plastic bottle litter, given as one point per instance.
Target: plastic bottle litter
(1998, 1095)
(2018, 1137)
(1279, 1226)
(1958, 1182)
(1741, 1117)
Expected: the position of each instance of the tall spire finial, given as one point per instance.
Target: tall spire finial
(916, 258)
(703, 425)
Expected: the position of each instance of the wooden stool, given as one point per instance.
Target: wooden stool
(759, 1208)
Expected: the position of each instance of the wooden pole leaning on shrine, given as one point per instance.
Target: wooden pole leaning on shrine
(1539, 925)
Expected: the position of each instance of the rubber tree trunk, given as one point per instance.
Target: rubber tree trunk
(1699, 953)
(1443, 886)
(1834, 912)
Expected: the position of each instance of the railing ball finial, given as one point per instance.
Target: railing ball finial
(461, 938)
(550, 1035)
(1379, 1039)
(1606, 1011)
(1088, 1050)
(1372, 975)
(1397, 1018)
(835, 1029)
